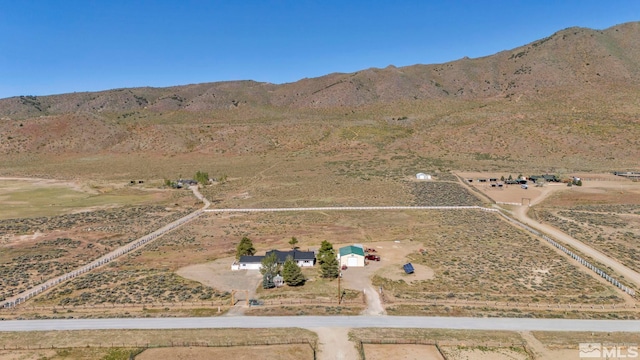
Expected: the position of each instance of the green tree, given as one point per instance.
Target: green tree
(502, 178)
(579, 183)
(330, 268)
(245, 247)
(291, 273)
(267, 281)
(202, 177)
(325, 248)
(270, 265)
(510, 177)
(293, 242)
(270, 268)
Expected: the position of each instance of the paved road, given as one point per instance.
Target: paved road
(311, 322)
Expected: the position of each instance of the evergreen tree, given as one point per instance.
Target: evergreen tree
(291, 273)
(293, 242)
(270, 265)
(245, 247)
(329, 266)
(267, 281)
(202, 177)
(325, 248)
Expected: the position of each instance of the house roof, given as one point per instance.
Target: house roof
(295, 254)
(247, 259)
(351, 249)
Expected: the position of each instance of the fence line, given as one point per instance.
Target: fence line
(110, 345)
(352, 208)
(573, 255)
(436, 343)
(514, 304)
(508, 203)
(105, 259)
(220, 304)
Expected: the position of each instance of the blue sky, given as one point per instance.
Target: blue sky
(58, 46)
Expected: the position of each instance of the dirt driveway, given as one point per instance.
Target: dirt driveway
(218, 274)
(392, 256)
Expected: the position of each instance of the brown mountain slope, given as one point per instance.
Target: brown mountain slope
(569, 100)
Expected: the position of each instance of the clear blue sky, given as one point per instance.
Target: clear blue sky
(59, 46)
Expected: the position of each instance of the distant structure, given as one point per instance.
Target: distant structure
(627, 174)
(423, 176)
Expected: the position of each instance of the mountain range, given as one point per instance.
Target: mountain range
(570, 100)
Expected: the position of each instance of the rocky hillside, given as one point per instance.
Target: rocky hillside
(581, 83)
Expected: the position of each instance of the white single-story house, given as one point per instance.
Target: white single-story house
(351, 256)
(302, 258)
(423, 176)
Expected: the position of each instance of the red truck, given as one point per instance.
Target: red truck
(372, 257)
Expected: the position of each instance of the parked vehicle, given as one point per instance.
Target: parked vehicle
(372, 257)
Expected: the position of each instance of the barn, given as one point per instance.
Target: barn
(351, 256)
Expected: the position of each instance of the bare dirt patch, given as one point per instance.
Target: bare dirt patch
(406, 352)
(284, 352)
(218, 274)
(334, 344)
(471, 353)
(455, 344)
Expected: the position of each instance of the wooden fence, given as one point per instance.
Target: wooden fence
(221, 305)
(514, 304)
(137, 348)
(438, 345)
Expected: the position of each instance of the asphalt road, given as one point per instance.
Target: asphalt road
(311, 322)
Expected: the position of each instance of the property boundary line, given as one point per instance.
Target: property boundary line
(573, 255)
(145, 346)
(351, 208)
(105, 259)
(28, 294)
(437, 344)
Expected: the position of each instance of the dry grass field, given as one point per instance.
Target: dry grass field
(175, 344)
(454, 344)
(76, 227)
(480, 345)
(477, 256)
(606, 218)
(467, 254)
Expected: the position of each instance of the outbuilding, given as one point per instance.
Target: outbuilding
(423, 176)
(351, 256)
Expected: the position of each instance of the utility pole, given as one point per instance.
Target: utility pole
(339, 293)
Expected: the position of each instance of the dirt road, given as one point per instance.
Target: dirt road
(521, 214)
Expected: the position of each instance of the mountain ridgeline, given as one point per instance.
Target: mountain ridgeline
(583, 84)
